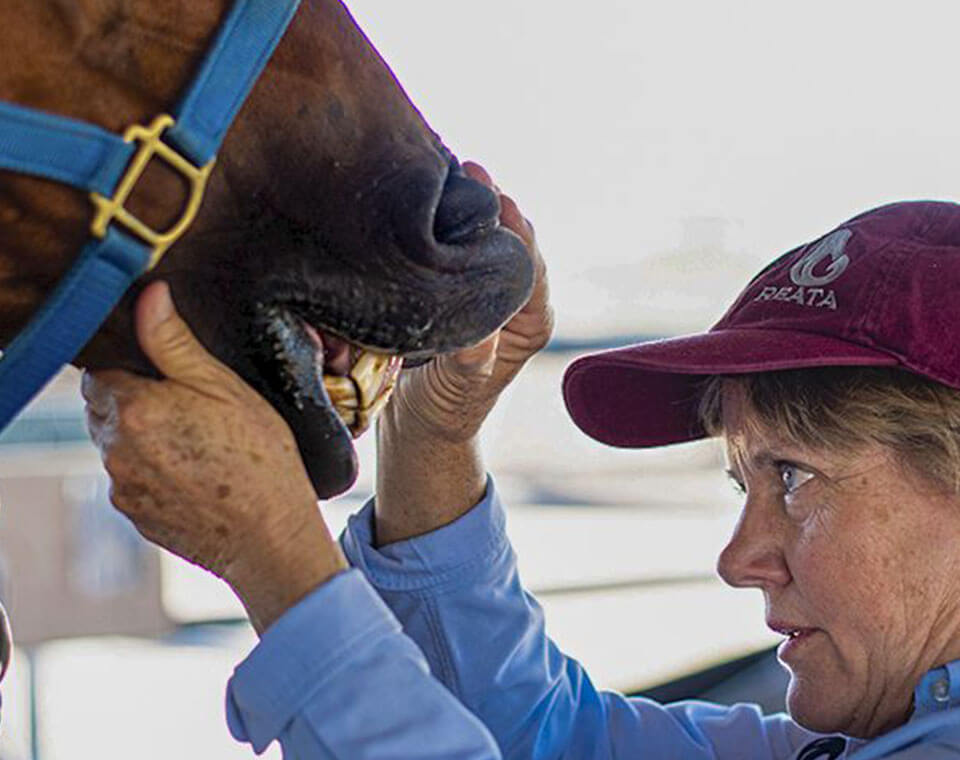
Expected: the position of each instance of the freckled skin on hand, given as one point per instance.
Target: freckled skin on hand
(206, 468)
(183, 494)
(136, 491)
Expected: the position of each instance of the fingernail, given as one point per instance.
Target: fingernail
(163, 306)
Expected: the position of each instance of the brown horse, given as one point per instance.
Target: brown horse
(333, 214)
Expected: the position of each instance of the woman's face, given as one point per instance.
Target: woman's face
(857, 560)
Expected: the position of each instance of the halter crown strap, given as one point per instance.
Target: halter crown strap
(243, 46)
(90, 158)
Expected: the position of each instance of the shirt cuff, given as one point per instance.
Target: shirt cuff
(442, 559)
(296, 656)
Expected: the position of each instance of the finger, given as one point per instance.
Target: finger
(535, 321)
(103, 390)
(476, 172)
(169, 343)
(512, 219)
(115, 452)
(96, 426)
(478, 359)
(133, 498)
(128, 402)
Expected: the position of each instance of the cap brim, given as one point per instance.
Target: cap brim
(649, 394)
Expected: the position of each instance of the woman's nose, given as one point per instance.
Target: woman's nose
(753, 557)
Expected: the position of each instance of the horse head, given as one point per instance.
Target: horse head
(337, 229)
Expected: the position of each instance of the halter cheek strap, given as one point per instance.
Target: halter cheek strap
(108, 166)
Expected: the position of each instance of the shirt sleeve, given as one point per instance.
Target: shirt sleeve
(457, 593)
(335, 678)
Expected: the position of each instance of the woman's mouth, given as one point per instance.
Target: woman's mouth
(797, 638)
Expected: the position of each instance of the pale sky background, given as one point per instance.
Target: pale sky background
(620, 125)
(665, 151)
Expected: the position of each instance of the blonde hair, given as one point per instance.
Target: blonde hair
(843, 408)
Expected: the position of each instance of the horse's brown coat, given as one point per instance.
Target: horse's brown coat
(324, 193)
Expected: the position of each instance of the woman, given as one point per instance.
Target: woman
(850, 524)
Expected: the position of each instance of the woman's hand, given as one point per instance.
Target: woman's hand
(429, 467)
(450, 397)
(205, 468)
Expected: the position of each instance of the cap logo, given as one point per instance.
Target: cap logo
(816, 269)
(831, 247)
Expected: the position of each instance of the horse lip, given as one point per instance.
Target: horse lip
(290, 356)
(295, 348)
(302, 311)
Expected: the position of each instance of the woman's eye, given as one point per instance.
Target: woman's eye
(792, 477)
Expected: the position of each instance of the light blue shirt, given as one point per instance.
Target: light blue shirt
(431, 648)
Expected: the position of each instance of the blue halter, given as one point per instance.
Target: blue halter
(90, 158)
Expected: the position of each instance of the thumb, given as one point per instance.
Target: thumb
(169, 343)
(477, 360)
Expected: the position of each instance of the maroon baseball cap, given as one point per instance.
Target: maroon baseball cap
(881, 290)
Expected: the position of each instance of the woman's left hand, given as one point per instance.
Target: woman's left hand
(205, 467)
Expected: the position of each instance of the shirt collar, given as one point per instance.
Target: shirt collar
(939, 690)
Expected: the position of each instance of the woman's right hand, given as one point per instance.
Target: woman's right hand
(429, 466)
(450, 397)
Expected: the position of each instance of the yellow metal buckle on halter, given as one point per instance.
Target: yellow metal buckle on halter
(112, 209)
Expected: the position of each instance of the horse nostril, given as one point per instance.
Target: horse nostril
(467, 210)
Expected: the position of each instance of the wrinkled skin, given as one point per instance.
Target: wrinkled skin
(331, 196)
(857, 550)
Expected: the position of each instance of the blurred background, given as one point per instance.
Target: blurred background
(665, 152)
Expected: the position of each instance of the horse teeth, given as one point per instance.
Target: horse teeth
(368, 373)
(342, 392)
(356, 398)
(367, 415)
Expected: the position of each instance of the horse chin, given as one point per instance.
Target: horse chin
(326, 446)
(328, 390)
(322, 435)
